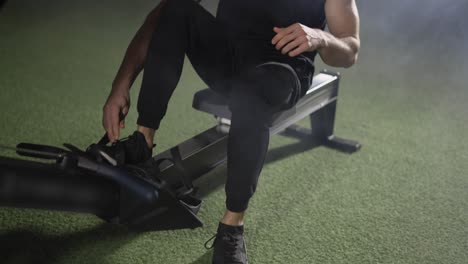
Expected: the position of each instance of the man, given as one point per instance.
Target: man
(257, 53)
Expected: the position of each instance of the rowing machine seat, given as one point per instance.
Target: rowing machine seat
(215, 103)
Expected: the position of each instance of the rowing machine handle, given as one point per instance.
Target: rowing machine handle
(39, 151)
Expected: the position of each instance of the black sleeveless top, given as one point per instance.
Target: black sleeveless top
(256, 18)
(249, 24)
(260, 16)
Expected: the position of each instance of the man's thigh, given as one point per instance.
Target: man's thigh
(208, 45)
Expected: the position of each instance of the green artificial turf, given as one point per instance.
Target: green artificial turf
(402, 199)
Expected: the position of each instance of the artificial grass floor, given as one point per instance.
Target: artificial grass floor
(402, 199)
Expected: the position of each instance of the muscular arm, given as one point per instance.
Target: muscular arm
(342, 43)
(338, 48)
(135, 55)
(118, 102)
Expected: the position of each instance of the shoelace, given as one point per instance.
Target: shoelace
(231, 243)
(212, 244)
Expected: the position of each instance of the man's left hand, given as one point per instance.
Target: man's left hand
(297, 38)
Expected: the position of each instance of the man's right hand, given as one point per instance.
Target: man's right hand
(114, 112)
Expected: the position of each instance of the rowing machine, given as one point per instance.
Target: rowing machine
(158, 194)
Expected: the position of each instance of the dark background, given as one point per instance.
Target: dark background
(401, 199)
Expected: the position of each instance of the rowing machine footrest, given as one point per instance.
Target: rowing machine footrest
(169, 213)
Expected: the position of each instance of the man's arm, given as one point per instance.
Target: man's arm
(135, 55)
(339, 48)
(342, 43)
(118, 102)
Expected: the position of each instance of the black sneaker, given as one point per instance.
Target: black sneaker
(130, 150)
(229, 245)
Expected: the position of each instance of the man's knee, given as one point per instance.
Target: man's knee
(275, 83)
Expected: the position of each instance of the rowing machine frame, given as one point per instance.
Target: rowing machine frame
(159, 194)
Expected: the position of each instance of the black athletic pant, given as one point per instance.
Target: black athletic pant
(256, 80)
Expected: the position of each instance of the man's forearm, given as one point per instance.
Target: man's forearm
(339, 52)
(135, 55)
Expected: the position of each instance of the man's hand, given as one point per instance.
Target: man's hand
(114, 112)
(297, 38)
(118, 102)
